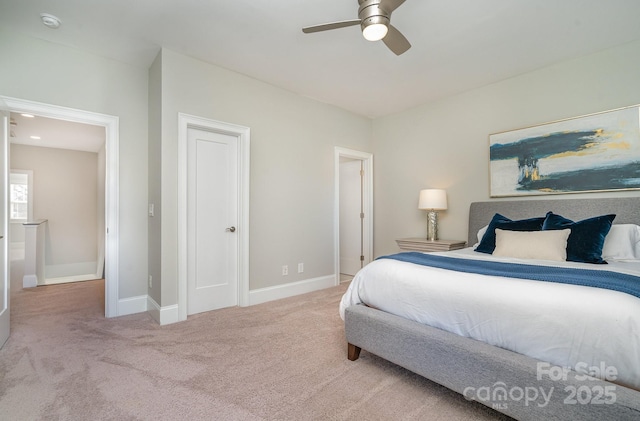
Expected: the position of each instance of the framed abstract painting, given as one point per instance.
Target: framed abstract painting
(596, 152)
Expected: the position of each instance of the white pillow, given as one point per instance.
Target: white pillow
(622, 243)
(541, 245)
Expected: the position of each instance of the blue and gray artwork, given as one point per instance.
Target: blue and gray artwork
(598, 152)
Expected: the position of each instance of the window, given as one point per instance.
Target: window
(20, 194)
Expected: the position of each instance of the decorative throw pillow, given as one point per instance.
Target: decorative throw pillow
(587, 236)
(480, 234)
(488, 242)
(542, 245)
(622, 243)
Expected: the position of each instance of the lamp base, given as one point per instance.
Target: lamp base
(432, 225)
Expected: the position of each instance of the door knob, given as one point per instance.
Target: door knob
(231, 229)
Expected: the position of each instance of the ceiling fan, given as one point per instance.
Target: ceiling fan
(374, 19)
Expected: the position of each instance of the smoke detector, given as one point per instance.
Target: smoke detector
(50, 21)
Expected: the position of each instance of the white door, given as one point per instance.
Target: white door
(212, 209)
(350, 216)
(4, 259)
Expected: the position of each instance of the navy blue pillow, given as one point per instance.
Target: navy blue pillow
(488, 242)
(587, 236)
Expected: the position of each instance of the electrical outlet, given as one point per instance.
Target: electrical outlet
(300, 267)
(150, 281)
(285, 270)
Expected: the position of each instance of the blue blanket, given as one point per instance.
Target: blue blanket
(593, 278)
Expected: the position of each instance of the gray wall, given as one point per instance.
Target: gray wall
(292, 152)
(100, 226)
(155, 176)
(445, 144)
(84, 81)
(65, 192)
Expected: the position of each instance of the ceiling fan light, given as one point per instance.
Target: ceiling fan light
(375, 32)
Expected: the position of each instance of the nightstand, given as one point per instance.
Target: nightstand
(422, 244)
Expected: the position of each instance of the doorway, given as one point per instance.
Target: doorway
(68, 193)
(109, 197)
(353, 212)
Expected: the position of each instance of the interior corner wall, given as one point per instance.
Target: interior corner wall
(445, 144)
(80, 80)
(155, 173)
(292, 167)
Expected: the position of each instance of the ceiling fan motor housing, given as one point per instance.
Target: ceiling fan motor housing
(370, 13)
(370, 9)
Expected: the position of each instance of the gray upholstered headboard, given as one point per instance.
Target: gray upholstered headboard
(627, 210)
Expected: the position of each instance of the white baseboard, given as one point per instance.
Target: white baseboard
(29, 281)
(70, 269)
(132, 305)
(169, 314)
(263, 295)
(162, 315)
(74, 278)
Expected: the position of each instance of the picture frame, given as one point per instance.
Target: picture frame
(590, 153)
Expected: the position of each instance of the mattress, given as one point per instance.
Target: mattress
(590, 330)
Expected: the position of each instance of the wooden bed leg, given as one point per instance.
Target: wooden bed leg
(353, 352)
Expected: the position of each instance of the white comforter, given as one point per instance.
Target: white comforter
(566, 325)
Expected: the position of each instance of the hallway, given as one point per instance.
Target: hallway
(87, 295)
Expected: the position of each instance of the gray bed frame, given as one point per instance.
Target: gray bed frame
(503, 380)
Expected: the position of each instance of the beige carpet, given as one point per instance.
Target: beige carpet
(283, 360)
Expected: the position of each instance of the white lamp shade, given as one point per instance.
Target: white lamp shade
(375, 32)
(435, 199)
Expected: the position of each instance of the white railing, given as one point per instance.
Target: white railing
(34, 241)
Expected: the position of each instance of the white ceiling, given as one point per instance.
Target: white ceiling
(457, 44)
(55, 133)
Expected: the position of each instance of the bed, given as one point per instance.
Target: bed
(501, 370)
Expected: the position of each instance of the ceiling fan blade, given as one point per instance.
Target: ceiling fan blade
(390, 5)
(396, 41)
(332, 25)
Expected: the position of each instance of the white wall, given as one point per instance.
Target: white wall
(445, 144)
(292, 152)
(40, 71)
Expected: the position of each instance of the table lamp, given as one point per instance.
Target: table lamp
(432, 200)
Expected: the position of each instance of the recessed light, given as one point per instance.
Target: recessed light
(35, 137)
(50, 21)
(27, 115)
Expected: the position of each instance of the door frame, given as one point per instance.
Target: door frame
(112, 140)
(367, 200)
(5, 278)
(243, 134)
